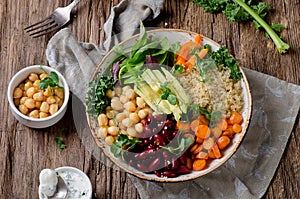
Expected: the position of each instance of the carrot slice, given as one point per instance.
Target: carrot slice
(199, 164)
(202, 155)
(198, 39)
(203, 131)
(185, 50)
(223, 142)
(237, 128)
(235, 118)
(216, 151)
(194, 125)
(208, 143)
(202, 120)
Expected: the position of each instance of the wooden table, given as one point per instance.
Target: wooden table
(25, 151)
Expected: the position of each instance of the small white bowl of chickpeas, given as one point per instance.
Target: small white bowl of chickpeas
(38, 96)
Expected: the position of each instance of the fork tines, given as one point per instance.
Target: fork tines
(42, 27)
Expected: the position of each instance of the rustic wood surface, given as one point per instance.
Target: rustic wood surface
(25, 151)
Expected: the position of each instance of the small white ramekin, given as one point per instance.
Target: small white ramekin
(36, 122)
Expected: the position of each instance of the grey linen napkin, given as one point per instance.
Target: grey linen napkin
(247, 174)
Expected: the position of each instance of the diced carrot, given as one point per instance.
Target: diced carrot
(191, 62)
(211, 154)
(216, 131)
(202, 155)
(223, 142)
(237, 128)
(184, 126)
(203, 131)
(180, 60)
(194, 125)
(193, 148)
(208, 143)
(202, 53)
(198, 149)
(199, 140)
(198, 39)
(235, 118)
(199, 164)
(203, 120)
(223, 124)
(185, 50)
(216, 151)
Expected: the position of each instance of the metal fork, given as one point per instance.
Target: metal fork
(54, 21)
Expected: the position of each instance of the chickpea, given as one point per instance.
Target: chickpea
(28, 85)
(30, 91)
(21, 86)
(51, 100)
(122, 127)
(109, 140)
(134, 118)
(113, 130)
(118, 91)
(59, 101)
(111, 114)
(130, 94)
(43, 115)
(53, 108)
(33, 77)
(59, 92)
(116, 104)
(124, 99)
(102, 133)
(29, 103)
(123, 132)
(111, 123)
(139, 127)
(140, 102)
(127, 122)
(126, 88)
(17, 93)
(36, 83)
(38, 96)
(23, 109)
(23, 99)
(38, 104)
(142, 114)
(102, 120)
(34, 114)
(44, 107)
(17, 101)
(43, 76)
(110, 93)
(47, 92)
(130, 106)
(131, 131)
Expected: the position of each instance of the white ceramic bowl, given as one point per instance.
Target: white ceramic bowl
(36, 122)
(76, 178)
(181, 36)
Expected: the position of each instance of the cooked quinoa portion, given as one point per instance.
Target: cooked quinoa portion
(215, 91)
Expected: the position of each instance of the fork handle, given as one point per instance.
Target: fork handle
(73, 4)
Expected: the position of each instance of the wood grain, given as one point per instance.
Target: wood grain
(25, 152)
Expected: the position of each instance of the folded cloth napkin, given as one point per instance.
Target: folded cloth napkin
(248, 172)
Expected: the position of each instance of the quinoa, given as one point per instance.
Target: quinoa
(217, 91)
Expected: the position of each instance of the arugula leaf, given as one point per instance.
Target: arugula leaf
(122, 144)
(183, 144)
(60, 143)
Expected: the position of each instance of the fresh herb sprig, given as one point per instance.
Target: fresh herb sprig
(60, 143)
(96, 98)
(122, 144)
(241, 10)
(167, 95)
(52, 81)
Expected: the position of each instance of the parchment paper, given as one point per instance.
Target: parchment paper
(247, 174)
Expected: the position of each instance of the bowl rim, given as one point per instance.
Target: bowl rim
(28, 70)
(181, 178)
